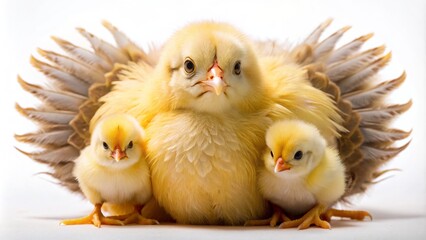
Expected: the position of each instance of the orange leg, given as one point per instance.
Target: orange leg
(95, 217)
(135, 218)
(310, 218)
(355, 215)
(272, 221)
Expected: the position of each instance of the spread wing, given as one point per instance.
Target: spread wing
(75, 81)
(350, 77)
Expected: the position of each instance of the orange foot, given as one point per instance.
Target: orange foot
(272, 221)
(135, 218)
(355, 215)
(96, 218)
(310, 218)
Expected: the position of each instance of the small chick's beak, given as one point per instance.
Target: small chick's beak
(282, 165)
(214, 81)
(118, 154)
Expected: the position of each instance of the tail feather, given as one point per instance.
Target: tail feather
(84, 55)
(377, 135)
(348, 49)
(104, 49)
(61, 79)
(46, 116)
(340, 70)
(78, 69)
(382, 114)
(54, 156)
(57, 99)
(56, 136)
(324, 48)
(359, 79)
(368, 97)
(313, 38)
(372, 153)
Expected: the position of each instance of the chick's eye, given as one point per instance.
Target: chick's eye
(237, 68)
(189, 65)
(105, 145)
(272, 154)
(130, 144)
(298, 155)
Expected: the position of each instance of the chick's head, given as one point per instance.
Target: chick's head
(294, 148)
(211, 67)
(118, 141)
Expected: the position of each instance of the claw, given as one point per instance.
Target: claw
(135, 218)
(278, 216)
(95, 217)
(355, 215)
(310, 218)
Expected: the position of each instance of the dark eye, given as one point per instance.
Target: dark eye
(298, 155)
(130, 144)
(105, 145)
(189, 65)
(237, 68)
(272, 154)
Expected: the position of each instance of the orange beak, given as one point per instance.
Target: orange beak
(214, 81)
(118, 154)
(282, 165)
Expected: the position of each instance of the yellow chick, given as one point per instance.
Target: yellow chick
(113, 169)
(302, 175)
(203, 151)
(205, 107)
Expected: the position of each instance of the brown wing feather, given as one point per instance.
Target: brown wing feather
(369, 141)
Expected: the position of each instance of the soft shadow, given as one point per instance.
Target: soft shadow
(58, 218)
(379, 214)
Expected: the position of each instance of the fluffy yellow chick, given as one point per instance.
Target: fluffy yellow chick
(113, 169)
(302, 175)
(203, 151)
(206, 106)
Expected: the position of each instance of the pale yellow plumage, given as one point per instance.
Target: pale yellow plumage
(301, 174)
(113, 169)
(206, 99)
(294, 97)
(201, 136)
(203, 151)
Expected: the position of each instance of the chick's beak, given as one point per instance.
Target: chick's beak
(214, 81)
(118, 154)
(282, 165)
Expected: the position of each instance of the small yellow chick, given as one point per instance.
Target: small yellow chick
(303, 176)
(113, 169)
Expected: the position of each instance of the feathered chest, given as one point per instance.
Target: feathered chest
(199, 144)
(291, 194)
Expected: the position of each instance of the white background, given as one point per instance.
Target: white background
(31, 206)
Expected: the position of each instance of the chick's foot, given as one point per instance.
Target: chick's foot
(277, 217)
(310, 218)
(355, 215)
(96, 218)
(135, 218)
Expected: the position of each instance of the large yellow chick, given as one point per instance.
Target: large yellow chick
(113, 169)
(205, 107)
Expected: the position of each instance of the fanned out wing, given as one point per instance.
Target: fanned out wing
(75, 82)
(350, 77)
